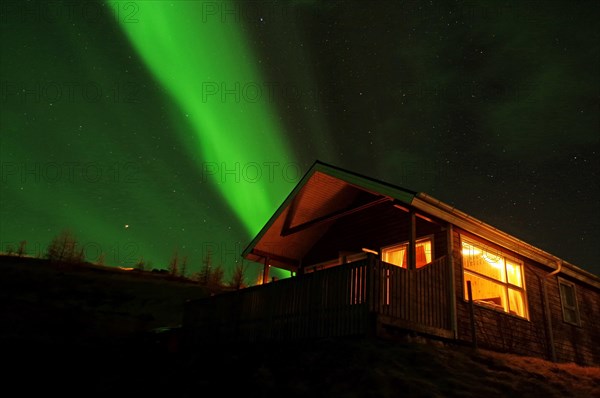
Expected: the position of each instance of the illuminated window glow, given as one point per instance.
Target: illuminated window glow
(496, 280)
(398, 254)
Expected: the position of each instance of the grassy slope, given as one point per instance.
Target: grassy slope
(79, 331)
(84, 304)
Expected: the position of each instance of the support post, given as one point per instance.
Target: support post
(370, 313)
(452, 282)
(472, 314)
(266, 267)
(412, 238)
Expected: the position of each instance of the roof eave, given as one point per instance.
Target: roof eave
(462, 220)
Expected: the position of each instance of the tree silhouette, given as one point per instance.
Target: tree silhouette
(21, 250)
(80, 257)
(209, 275)
(183, 267)
(216, 278)
(101, 258)
(173, 267)
(63, 247)
(238, 278)
(140, 265)
(206, 269)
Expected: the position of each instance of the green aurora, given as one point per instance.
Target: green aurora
(211, 74)
(151, 127)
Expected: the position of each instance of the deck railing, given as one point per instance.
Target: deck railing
(414, 299)
(339, 301)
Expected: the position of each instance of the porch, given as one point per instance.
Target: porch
(358, 298)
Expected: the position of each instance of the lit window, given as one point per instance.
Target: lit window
(496, 280)
(398, 254)
(568, 298)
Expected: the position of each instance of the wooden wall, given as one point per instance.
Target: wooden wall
(579, 344)
(504, 332)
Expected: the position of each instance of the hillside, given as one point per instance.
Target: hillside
(83, 304)
(88, 332)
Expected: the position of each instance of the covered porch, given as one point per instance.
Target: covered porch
(362, 259)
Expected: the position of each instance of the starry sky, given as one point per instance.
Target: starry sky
(154, 127)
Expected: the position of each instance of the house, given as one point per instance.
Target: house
(367, 258)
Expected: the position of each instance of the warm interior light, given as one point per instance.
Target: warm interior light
(496, 280)
(401, 208)
(397, 254)
(470, 251)
(497, 263)
(364, 249)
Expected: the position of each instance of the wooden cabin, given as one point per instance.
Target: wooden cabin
(367, 258)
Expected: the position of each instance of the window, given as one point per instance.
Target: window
(398, 254)
(568, 298)
(496, 279)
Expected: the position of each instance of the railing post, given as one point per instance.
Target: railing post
(370, 296)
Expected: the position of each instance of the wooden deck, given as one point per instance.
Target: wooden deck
(353, 299)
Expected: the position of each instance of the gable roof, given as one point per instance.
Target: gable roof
(326, 193)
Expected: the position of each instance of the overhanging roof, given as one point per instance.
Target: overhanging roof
(326, 193)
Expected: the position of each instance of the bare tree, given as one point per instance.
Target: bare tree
(209, 275)
(183, 267)
(216, 278)
(173, 266)
(140, 265)
(62, 248)
(238, 278)
(80, 257)
(204, 274)
(101, 258)
(21, 250)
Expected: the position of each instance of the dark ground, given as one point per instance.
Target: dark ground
(86, 332)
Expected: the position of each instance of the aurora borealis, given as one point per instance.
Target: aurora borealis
(190, 121)
(232, 134)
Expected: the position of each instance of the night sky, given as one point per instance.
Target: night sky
(154, 127)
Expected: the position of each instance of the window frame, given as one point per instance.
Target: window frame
(564, 304)
(506, 285)
(407, 242)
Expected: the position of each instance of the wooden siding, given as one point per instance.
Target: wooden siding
(500, 331)
(418, 300)
(573, 343)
